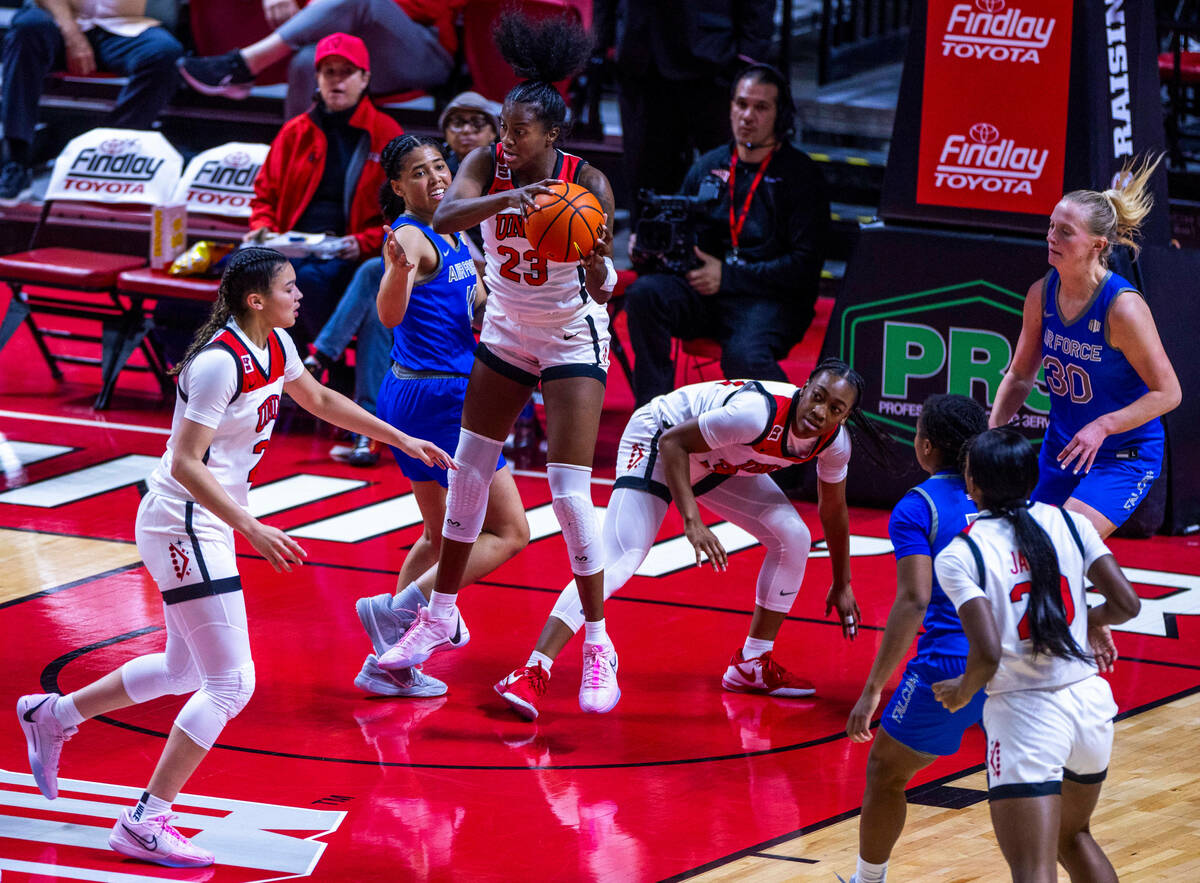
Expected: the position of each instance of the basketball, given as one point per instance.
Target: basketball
(566, 220)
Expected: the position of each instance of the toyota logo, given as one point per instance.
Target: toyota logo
(237, 159)
(989, 5)
(113, 146)
(984, 133)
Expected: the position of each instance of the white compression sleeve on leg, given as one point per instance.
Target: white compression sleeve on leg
(571, 496)
(467, 498)
(630, 525)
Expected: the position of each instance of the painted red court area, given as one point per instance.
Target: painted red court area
(315, 778)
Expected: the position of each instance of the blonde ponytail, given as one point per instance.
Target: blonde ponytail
(1117, 213)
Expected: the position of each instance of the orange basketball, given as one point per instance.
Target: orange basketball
(567, 223)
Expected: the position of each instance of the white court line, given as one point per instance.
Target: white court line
(79, 421)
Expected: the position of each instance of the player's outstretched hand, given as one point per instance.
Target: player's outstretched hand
(1082, 449)
(858, 725)
(394, 256)
(950, 693)
(841, 598)
(277, 547)
(1104, 648)
(425, 451)
(522, 197)
(705, 542)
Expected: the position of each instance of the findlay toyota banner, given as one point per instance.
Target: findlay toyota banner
(994, 104)
(116, 165)
(220, 181)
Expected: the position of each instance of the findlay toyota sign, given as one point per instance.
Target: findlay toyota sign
(954, 339)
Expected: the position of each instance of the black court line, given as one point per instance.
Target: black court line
(849, 814)
(786, 858)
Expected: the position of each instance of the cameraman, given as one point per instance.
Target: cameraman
(759, 255)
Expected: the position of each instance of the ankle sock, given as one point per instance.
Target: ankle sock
(866, 872)
(149, 806)
(596, 633)
(66, 713)
(442, 606)
(535, 657)
(756, 647)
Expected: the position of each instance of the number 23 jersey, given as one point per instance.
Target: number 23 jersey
(232, 387)
(1086, 375)
(526, 286)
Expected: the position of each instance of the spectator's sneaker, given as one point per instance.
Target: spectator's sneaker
(15, 179)
(598, 692)
(154, 840)
(217, 74)
(315, 367)
(44, 737)
(384, 625)
(764, 675)
(425, 637)
(364, 453)
(523, 689)
(409, 682)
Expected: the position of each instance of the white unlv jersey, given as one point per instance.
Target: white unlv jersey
(1006, 586)
(228, 388)
(525, 285)
(747, 424)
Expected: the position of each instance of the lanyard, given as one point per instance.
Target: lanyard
(736, 224)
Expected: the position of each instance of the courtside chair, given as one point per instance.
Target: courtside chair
(125, 171)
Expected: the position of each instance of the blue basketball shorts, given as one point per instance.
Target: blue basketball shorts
(428, 408)
(914, 717)
(1113, 487)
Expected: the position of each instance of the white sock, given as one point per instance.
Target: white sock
(441, 606)
(410, 599)
(866, 872)
(596, 633)
(535, 657)
(149, 807)
(66, 713)
(756, 647)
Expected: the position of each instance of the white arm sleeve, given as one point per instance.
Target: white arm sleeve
(738, 422)
(833, 463)
(210, 382)
(957, 574)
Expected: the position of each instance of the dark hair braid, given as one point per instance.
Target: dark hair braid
(949, 422)
(392, 158)
(249, 269)
(1003, 467)
(543, 52)
(878, 445)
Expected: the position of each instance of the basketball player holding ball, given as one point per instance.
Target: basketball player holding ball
(545, 322)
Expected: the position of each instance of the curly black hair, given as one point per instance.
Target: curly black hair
(950, 422)
(543, 52)
(392, 159)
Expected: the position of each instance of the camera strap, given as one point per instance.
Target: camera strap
(736, 223)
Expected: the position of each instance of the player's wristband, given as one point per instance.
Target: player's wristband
(610, 280)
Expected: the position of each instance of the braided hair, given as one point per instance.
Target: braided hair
(878, 445)
(949, 422)
(1003, 467)
(542, 52)
(392, 158)
(249, 270)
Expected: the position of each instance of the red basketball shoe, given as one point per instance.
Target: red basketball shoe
(763, 674)
(523, 689)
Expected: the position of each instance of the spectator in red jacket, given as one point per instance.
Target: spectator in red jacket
(302, 184)
(412, 41)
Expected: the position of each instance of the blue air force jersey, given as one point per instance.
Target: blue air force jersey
(436, 332)
(924, 522)
(1086, 375)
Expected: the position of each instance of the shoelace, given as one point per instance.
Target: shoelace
(599, 671)
(537, 678)
(164, 823)
(772, 670)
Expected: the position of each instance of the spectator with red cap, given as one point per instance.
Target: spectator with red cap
(302, 184)
(412, 41)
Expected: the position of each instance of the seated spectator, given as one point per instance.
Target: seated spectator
(302, 184)
(412, 41)
(82, 37)
(469, 121)
(759, 254)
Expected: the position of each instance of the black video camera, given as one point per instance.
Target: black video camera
(666, 230)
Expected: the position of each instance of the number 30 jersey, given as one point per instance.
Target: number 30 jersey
(1086, 375)
(521, 282)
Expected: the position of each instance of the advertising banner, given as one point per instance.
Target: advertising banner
(116, 165)
(994, 104)
(220, 181)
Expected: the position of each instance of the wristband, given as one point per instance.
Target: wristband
(610, 280)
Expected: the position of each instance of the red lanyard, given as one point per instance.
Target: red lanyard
(736, 224)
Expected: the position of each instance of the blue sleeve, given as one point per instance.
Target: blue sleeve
(908, 528)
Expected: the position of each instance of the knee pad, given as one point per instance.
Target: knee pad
(467, 497)
(571, 495)
(147, 677)
(215, 704)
